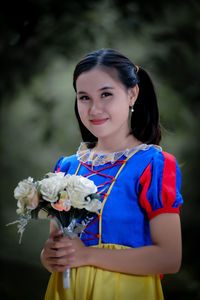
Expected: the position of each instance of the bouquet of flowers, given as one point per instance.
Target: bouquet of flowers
(71, 200)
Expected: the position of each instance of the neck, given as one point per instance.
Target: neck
(108, 145)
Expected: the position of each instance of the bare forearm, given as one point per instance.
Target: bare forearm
(139, 261)
(163, 256)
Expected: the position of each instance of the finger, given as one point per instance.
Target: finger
(50, 253)
(50, 244)
(61, 242)
(62, 238)
(62, 252)
(52, 237)
(55, 234)
(63, 263)
(58, 243)
(59, 268)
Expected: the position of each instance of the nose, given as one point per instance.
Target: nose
(95, 107)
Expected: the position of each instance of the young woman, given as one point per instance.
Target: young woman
(137, 234)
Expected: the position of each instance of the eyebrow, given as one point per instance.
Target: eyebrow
(106, 88)
(101, 89)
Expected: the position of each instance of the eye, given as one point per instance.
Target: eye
(106, 94)
(84, 98)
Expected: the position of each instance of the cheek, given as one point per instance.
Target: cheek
(82, 111)
(122, 111)
(80, 108)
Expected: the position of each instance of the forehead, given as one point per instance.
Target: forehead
(97, 78)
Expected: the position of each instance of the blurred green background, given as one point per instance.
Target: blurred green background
(41, 42)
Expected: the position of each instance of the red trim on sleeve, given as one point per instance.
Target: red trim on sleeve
(168, 192)
(58, 170)
(168, 188)
(145, 181)
(163, 210)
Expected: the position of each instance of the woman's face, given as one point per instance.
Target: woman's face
(103, 102)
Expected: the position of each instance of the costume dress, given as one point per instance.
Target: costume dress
(135, 185)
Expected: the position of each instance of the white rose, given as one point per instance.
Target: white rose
(77, 199)
(25, 189)
(26, 194)
(51, 187)
(81, 184)
(78, 188)
(94, 205)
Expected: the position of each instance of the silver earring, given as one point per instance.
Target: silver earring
(131, 109)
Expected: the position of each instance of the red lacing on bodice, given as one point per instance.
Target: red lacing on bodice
(103, 195)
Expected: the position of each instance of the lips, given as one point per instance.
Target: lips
(98, 121)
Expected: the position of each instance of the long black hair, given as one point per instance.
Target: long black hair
(145, 118)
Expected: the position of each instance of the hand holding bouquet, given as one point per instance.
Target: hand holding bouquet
(71, 200)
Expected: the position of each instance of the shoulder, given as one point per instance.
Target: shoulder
(65, 162)
(166, 163)
(164, 156)
(159, 164)
(158, 157)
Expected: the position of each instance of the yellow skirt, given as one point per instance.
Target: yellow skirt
(91, 283)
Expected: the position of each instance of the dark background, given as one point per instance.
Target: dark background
(41, 41)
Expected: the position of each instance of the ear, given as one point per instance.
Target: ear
(133, 94)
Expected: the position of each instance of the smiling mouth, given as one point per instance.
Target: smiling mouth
(98, 121)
